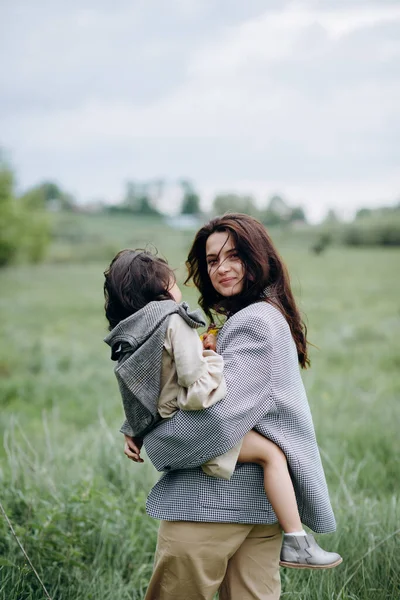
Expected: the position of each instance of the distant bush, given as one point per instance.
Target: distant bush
(374, 231)
(24, 224)
(10, 220)
(321, 244)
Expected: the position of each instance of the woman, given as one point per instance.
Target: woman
(217, 534)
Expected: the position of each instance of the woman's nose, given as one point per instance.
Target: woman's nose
(222, 267)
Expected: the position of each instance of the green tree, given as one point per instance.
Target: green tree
(48, 195)
(36, 227)
(363, 212)
(190, 200)
(277, 212)
(140, 198)
(279, 206)
(145, 207)
(331, 217)
(130, 200)
(36, 223)
(271, 218)
(10, 221)
(298, 214)
(24, 223)
(378, 212)
(229, 203)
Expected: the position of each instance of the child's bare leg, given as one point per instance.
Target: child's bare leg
(299, 549)
(277, 483)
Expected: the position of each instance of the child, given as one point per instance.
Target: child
(163, 367)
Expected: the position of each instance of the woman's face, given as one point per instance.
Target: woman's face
(224, 266)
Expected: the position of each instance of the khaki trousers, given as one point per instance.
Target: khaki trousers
(195, 560)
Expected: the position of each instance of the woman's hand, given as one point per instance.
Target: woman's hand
(132, 448)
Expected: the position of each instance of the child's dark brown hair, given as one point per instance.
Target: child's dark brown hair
(133, 279)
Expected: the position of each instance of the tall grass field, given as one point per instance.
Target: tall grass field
(77, 503)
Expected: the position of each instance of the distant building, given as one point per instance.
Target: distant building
(184, 222)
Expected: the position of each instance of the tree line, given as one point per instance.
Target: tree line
(146, 198)
(26, 224)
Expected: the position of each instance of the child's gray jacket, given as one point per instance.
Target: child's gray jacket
(137, 344)
(265, 393)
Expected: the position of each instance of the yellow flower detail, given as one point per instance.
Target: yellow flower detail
(212, 330)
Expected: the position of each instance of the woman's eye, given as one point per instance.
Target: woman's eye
(211, 262)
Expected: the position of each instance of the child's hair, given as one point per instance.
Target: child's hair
(133, 279)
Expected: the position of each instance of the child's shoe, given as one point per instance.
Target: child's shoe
(303, 552)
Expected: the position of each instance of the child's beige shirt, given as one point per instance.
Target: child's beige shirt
(192, 379)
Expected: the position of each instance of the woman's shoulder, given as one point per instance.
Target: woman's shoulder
(260, 316)
(261, 311)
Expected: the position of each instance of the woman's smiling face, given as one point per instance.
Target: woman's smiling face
(224, 265)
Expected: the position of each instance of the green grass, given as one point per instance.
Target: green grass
(77, 503)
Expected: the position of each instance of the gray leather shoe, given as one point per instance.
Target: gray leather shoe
(303, 552)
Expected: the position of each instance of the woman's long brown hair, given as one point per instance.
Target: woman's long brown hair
(266, 277)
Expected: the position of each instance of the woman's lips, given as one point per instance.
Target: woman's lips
(226, 280)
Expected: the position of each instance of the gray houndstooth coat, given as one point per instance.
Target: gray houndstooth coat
(265, 393)
(137, 344)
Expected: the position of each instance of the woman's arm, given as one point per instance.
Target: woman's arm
(189, 439)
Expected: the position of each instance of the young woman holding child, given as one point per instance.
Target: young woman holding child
(219, 532)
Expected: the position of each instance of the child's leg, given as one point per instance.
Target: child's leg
(277, 483)
(299, 549)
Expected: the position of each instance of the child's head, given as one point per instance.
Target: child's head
(133, 279)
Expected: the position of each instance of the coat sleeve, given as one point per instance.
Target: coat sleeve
(200, 372)
(189, 439)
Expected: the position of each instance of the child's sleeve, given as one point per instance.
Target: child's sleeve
(199, 371)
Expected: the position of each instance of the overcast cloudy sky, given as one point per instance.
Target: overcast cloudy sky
(257, 96)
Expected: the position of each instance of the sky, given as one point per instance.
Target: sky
(260, 97)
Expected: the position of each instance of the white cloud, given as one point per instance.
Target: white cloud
(277, 36)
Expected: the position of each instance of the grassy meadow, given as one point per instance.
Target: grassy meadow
(77, 503)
